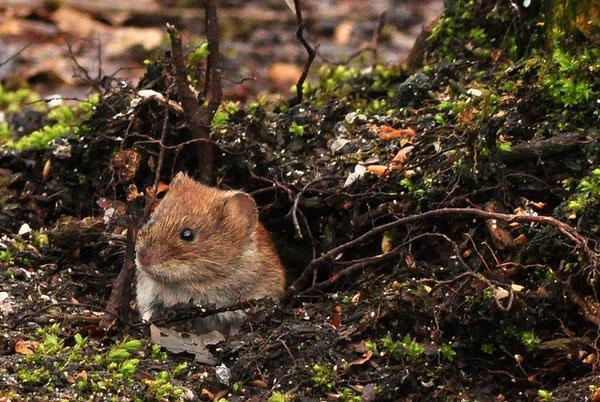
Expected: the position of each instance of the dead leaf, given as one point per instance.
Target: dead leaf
(160, 188)
(26, 348)
(75, 22)
(336, 320)
(401, 157)
(500, 235)
(467, 115)
(206, 395)
(387, 133)
(132, 192)
(363, 359)
(496, 54)
(590, 359)
(521, 239)
(82, 375)
(343, 32)
(126, 163)
(128, 39)
(537, 205)
(291, 6)
(260, 384)
(283, 75)
(119, 207)
(191, 343)
(378, 170)
(47, 169)
(387, 243)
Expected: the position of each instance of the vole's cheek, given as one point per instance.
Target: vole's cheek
(147, 256)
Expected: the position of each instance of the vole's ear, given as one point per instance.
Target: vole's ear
(241, 208)
(179, 177)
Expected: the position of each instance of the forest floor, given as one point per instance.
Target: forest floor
(439, 224)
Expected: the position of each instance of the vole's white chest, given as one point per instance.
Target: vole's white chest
(151, 293)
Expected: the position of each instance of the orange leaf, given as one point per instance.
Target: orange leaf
(401, 157)
(537, 205)
(260, 383)
(520, 240)
(336, 320)
(378, 170)
(160, 188)
(387, 133)
(47, 170)
(25, 347)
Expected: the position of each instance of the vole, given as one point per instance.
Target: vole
(205, 245)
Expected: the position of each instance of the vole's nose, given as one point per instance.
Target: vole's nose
(145, 257)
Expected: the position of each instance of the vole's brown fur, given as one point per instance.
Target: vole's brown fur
(230, 258)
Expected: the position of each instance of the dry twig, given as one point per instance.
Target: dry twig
(199, 120)
(310, 51)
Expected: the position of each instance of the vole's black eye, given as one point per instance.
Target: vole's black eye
(187, 235)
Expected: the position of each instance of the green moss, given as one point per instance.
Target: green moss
(568, 77)
(448, 352)
(199, 54)
(65, 120)
(324, 377)
(545, 395)
(40, 139)
(530, 340)
(13, 101)
(6, 257)
(221, 117)
(296, 129)
(278, 397)
(587, 192)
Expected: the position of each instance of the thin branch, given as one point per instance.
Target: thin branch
(310, 51)
(329, 256)
(376, 36)
(214, 63)
(196, 117)
(118, 303)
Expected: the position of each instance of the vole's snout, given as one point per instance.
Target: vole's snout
(146, 256)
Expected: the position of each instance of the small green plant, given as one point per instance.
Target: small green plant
(530, 340)
(36, 376)
(296, 129)
(278, 397)
(348, 395)
(77, 351)
(478, 36)
(448, 352)
(4, 132)
(221, 117)
(588, 190)
(6, 257)
(324, 376)
(199, 54)
(412, 348)
(372, 346)
(504, 146)
(157, 353)
(162, 389)
(487, 348)
(39, 239)
(545, 395)
(237, 387)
